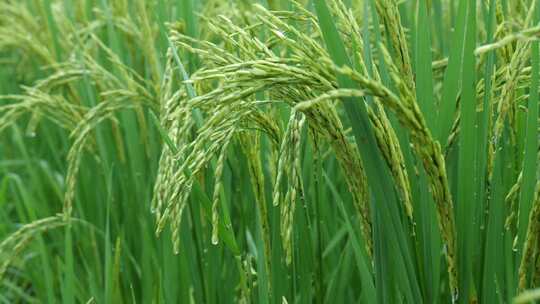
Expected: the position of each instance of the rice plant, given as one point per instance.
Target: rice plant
(279, 151)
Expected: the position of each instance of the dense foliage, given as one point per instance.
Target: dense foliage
(225, 151)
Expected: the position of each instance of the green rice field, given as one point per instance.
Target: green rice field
(269, 151)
